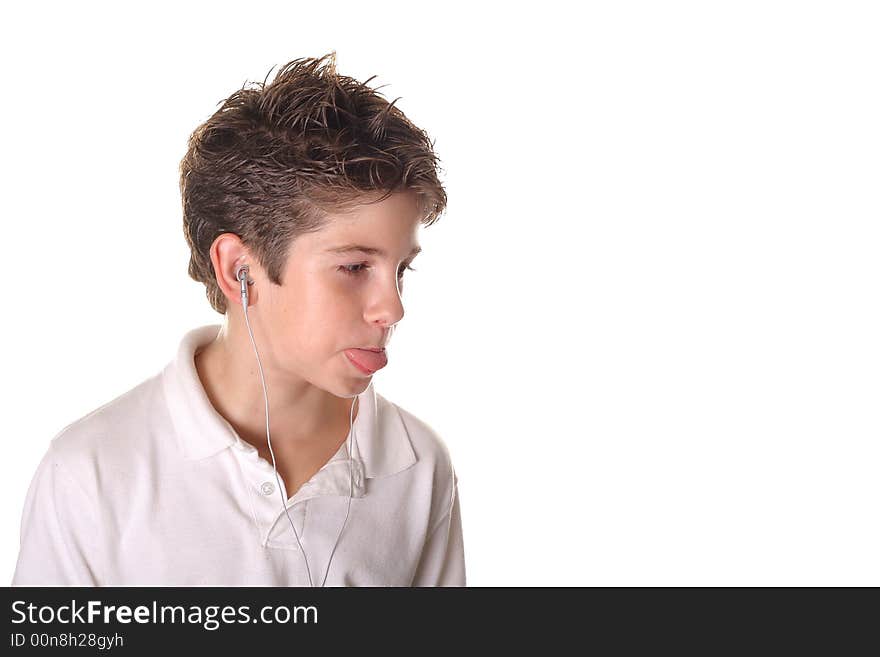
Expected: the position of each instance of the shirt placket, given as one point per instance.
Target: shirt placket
(263, 487)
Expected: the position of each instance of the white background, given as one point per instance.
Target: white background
(646, 327)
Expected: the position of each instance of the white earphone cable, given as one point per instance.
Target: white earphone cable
(242, 277)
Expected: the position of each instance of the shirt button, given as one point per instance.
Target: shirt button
(267, 488)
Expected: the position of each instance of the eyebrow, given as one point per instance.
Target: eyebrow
(369, 250)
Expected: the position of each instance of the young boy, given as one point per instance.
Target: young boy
(262, 454)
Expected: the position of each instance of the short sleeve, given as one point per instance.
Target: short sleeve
(442, 560)
(59, 543)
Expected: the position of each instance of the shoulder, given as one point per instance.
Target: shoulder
(111, 436)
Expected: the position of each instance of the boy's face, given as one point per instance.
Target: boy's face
(330, 302)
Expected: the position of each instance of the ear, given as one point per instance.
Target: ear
(228, 253)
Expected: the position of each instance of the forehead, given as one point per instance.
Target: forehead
(380, 229)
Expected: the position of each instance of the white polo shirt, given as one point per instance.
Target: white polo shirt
(155, 488)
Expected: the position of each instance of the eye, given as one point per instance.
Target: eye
(348, 269)
(358, 269)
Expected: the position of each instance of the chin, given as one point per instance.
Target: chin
(358, 387)
(348, 386)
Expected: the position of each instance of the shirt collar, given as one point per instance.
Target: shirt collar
(383, 444)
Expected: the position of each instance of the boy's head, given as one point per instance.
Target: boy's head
(285, 172)
(276, 160)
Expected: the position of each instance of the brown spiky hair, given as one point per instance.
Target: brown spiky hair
(275, 160)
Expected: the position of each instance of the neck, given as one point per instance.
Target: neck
(300, 414)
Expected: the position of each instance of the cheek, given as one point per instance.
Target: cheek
(342, 288)
(325, 325)
(308, 297)
(342, 297)
(320, 316)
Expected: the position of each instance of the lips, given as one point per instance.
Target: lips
(368, 361)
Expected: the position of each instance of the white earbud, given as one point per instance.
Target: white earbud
(242, 275)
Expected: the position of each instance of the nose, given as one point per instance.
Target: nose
(388, 309)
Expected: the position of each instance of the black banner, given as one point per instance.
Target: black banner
(134, 620)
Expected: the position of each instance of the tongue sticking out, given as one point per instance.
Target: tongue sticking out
(369, 360)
